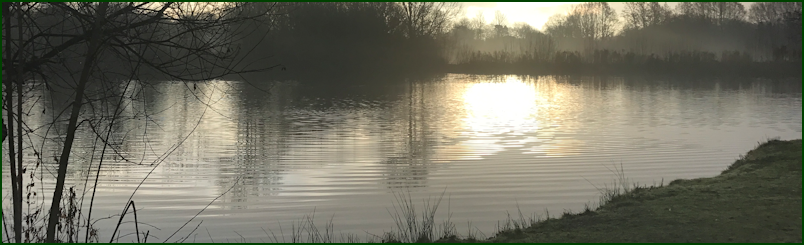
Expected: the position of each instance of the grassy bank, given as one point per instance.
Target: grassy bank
(757, 199)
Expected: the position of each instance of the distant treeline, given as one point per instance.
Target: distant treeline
(696, 38)
(331, 39)
(325, 39)
(352, 38)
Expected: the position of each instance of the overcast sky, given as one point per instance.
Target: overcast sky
(533, 13)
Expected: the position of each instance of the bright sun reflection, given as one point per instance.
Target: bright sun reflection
(501, 107)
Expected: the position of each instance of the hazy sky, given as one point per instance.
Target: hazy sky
(533, 13)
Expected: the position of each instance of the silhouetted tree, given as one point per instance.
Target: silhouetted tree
(640, 15)
(428, 18)
(717, 12)
(584, 27)
(97, 43)
(771, 12)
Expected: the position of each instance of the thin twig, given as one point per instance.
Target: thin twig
(210, 235)
(191, 232)
(205, 207)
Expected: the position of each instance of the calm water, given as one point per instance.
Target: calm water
(491, 143)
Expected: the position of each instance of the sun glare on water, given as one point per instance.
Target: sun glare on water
(500, 107)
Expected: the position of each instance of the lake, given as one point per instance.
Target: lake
(493, 145)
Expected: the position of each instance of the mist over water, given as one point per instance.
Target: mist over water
(491, 143)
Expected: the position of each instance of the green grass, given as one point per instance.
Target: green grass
(757, 199)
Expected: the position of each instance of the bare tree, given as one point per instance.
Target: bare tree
(500, 19)
(593, 21)
(717, 12)
(533, 43)
(696, 9)
(523, 30)
(771, 12)
(95, 41)
(584, 26)
(477, 24)
(564, 26)
(638, 15)
(424, 19)
(729, 11)
(598, 20)
(500, 24)
(478, 21)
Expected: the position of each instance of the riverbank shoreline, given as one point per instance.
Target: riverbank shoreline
(757, 199)
(770, 70)
(761, 70)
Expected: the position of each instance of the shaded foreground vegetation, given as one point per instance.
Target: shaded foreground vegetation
(757, 199)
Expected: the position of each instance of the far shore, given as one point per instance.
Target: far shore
(754, 69)
(354, 75)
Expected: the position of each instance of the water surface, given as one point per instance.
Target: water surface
(492, 144)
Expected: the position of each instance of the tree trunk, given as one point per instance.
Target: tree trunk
(94, 47)
(16, 183)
